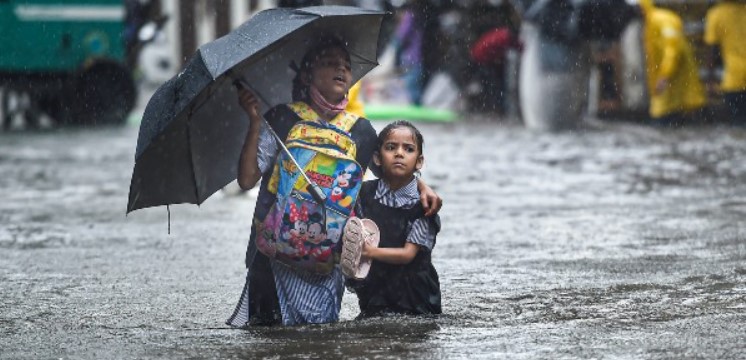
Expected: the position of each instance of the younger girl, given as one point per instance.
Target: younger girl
(402, 279)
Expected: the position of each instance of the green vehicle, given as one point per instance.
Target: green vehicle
(69, 58)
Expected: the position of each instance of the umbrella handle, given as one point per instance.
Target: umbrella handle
(316, 192)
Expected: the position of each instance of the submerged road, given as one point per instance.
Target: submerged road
(616, 241)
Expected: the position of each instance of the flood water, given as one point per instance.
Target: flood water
(617, 241)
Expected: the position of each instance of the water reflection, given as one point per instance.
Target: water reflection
(391, 337)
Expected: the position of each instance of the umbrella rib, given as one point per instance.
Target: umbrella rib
(211, 91)
(191, 155)
(366, 60)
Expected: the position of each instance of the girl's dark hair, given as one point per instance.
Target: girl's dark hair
(397, 125)
(300, 90)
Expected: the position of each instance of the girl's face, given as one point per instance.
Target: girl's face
(399, 157)
(331, 73)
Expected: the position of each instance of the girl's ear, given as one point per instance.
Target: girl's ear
(377, 158)
(420, 162)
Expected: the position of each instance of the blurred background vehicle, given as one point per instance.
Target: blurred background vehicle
(72, 63)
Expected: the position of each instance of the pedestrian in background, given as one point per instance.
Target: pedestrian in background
(495, 24)
(725, 32)
(675, 89)
(407, 42)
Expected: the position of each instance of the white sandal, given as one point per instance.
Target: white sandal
(357, 231)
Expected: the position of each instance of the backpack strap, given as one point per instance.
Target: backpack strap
(281, 119)
(343, 121)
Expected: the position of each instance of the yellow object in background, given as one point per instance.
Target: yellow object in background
(726, 28)
(354, 105)
(669, 57)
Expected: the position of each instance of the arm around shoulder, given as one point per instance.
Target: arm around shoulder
(430, 200)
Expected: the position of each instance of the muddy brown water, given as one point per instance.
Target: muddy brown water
(615, 241)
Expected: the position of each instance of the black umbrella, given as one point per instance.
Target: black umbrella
(193, 129)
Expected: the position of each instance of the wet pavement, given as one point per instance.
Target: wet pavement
(615, 241)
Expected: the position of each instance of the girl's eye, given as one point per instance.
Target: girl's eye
(410, 149)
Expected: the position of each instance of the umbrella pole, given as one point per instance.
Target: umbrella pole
(312, 187)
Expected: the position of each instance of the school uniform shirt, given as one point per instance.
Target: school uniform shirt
(422, 232)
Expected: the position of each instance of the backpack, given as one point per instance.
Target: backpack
(298, 230)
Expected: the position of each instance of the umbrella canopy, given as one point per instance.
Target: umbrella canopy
(193, 128)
